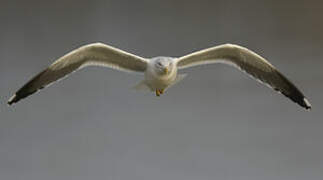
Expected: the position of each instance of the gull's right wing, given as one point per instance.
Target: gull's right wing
(96, 54)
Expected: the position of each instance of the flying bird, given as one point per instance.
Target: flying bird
(161, 72)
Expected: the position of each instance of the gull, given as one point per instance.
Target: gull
(161, 72)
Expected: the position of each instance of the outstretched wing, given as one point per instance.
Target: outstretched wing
(249, 62)
(93, 54)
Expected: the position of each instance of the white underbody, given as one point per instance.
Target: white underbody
(154, 81)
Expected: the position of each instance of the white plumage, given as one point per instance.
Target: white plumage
(161, 72)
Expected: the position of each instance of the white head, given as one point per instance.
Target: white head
(163, 65)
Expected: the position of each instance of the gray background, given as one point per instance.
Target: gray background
(216, 124)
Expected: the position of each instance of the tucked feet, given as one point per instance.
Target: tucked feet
(159, 92)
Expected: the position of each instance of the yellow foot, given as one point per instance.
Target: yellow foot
(157, 92)
(161, 91)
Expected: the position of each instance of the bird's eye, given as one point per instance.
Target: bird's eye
(159, 64)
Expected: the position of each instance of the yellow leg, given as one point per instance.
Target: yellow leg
(157, 92)
(161, 91)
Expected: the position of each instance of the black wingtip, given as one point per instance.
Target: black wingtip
(21, 94)
(301, 100)
(13, 100)
(28, 89)
(306, 104)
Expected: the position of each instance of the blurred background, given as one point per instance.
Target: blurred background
(216, 124)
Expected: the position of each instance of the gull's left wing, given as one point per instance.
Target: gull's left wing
(249, 62)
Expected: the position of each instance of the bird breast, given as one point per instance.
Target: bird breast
(157, 81)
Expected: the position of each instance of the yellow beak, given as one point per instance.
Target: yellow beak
(166, 70)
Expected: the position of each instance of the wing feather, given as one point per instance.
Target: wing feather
(249, 62)
(96, 54)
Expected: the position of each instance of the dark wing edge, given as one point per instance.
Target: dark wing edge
(249, 62)
(294, 93)
(26, 90)
(95, 54)
(40, 81)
